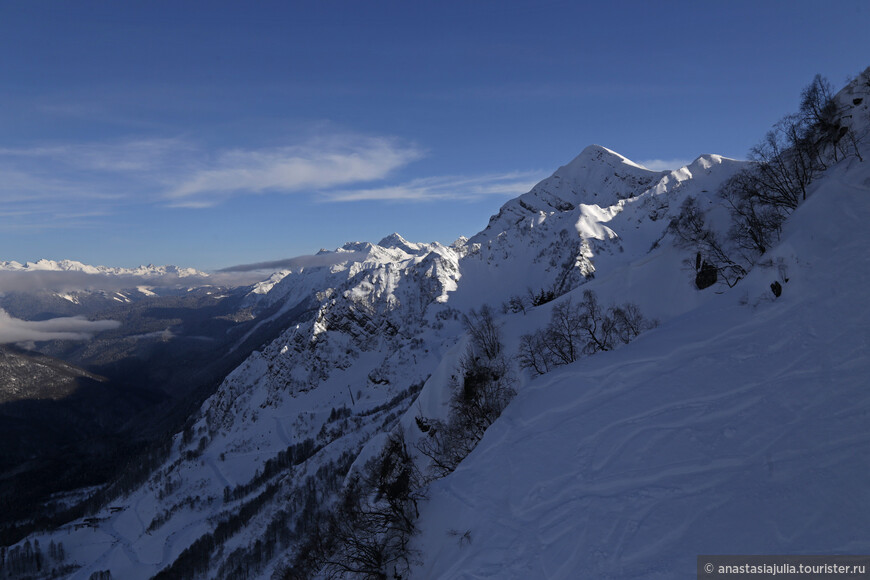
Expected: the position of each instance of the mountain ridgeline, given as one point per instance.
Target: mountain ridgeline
(552, 397)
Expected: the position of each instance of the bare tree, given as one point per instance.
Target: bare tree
(484, 333)
(691, 231)
(481, 392)
(598, 328)
(563, 336)
(580, 329)
(534, 354)
(756, 226)
(373, 524)
(629, 322)
(784, 164)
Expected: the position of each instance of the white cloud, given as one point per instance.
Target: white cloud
(76, 185)
(117, 156)
(321, 164)
(44, 185)
(71, 185)
(309, 261)
(665, 164)
(15, 330)
(74, 280)
(434, 188)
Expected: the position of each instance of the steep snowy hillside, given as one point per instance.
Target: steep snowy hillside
(377, 322)
(291, 419)
(622, 464)
(742, 427)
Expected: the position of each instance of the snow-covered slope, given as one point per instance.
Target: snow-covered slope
(303, 407)
(740, 427)
(599, 217)
(625, 464)
(377, 322)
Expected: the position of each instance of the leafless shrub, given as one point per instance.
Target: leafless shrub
(580, 329)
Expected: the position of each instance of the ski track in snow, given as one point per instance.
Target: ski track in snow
(123, 541)
(217, 472)
(282, 434)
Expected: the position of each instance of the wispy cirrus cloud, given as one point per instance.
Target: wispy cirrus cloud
(116, 157)
(41, 184)
(318, 165)
(70, 185)
(451, 187)
(78, 185)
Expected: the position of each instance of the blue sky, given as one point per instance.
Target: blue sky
(209, 134)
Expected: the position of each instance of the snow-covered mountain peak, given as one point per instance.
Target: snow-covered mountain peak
(599, 210)
(354, 247)
(61, 266)
(706, 168)
(594, 156)
(597, 176)
(395, 240)
(265, 286)
(705, 162)
(150, 270)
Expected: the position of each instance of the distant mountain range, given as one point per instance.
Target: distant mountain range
(74, 266)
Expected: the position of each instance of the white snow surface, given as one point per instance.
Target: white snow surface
(739, 425)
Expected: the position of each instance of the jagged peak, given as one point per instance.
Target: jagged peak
(355, 247)
(392, 239)
(395, 240)
(596, 156)
(707, 161)
(597, 175)
(46, 265)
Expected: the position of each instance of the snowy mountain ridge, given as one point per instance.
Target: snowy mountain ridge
(606, 466)
(375, 323)
(150, 270)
